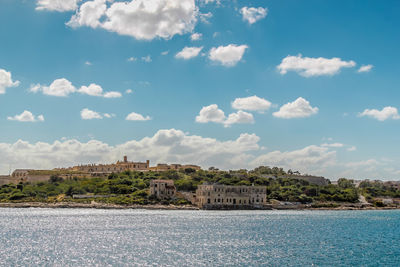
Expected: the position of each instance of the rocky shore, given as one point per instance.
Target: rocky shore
(96, 205)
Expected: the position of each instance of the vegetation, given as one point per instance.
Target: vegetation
(132, 187)
(374, 189)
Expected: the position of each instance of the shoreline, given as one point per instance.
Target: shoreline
(96, 205)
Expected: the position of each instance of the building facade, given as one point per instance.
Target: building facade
(167, 167)
(162, 189)
(119, 166)
(216, 195)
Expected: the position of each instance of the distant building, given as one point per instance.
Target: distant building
(120, 166)
(166, 167)
(216, 195)
(21, 173)
(162, 189)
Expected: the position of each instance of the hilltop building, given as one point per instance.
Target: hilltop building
(89, 170)
(226, 196)
(120, 166)
(162, 189)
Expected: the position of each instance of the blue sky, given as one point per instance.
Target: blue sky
(315, 84)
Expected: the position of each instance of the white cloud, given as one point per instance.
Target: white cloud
(131, 59)
(252, 103)
(352, 148)
(6, 81)
(239, 117)
(147, 59)
(87, 114)
(92, 89)
(26, 116)
(88, 63)
(300, 108)
(337, 145)
(228, 55)
(204, 17)
(164, 53)
(211, 1)
(252, 14)
(129, 91)
(307, 66)
(108, 115)
(164, 146)
(112, 94)
(60, 87)
(137, 117)
(196, 36)
(365, 68)
(381, 115)
(149, 19)
(189, 52)
(211, 113)
(312, 159)
(57, 5)
(89, 14)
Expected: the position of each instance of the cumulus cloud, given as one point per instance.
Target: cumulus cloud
(381, 115)
(352, 148)
(251, 103)
(239, 117)
(228, 55)
(164, 146)
(365, 68)
(149, 19)
(6, 81)
(308, 67)
(176, 146)
(332, 145)
(211, 113)
(87, 114)
(57, 5)
(196, 36)
(62, 87)
(300, 108)
(92, 89)
(59, 87)
(189, 52)
(112, 94)
(309, 159)
(89, 14)
(147, 59)
(137, 117)
(252, 14)
(26, 116)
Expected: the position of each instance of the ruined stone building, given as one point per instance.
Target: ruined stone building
(162, 189)
(216, 195)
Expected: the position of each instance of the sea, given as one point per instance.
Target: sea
(95, 237)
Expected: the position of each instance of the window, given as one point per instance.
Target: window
(208, 201)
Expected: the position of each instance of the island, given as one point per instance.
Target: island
(127, 184)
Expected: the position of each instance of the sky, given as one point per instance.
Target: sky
(303, 85)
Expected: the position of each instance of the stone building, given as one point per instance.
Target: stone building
(120, 166)
(166, 167)
(216, 195)
(162, 189)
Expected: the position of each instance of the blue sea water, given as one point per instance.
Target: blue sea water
(88, 237)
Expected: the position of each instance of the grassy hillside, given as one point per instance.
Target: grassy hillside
(132, 187)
